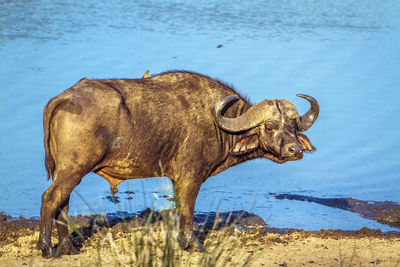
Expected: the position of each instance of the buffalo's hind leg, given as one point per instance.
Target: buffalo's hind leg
(65, 246)
(76, 148)
(54, 202)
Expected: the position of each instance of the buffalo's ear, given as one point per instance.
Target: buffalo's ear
(305, 142)
(245, 145)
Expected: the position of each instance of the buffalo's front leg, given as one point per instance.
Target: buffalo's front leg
(186, 192)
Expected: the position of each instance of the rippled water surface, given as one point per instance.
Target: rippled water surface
(344, 53)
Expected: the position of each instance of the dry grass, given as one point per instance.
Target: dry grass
(150, 240)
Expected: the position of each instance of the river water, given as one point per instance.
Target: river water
(344, 53)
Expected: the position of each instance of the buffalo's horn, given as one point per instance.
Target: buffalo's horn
(308, 119)
(253, 117)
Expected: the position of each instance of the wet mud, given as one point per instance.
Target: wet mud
(385, 212)
(232, 239)
(12, 228)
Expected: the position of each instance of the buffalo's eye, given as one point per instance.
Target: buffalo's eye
(294, 125)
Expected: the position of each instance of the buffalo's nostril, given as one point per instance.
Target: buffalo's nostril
(296, 149)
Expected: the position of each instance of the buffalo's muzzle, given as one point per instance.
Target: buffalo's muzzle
(296, 150)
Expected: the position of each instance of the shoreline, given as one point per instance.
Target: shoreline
(243, 236)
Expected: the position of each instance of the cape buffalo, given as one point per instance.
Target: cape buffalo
(179, 124)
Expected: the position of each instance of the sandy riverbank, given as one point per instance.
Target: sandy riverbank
(114, 242)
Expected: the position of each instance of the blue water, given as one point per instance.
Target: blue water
(344, 53)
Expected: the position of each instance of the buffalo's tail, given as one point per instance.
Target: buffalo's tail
(48, 113)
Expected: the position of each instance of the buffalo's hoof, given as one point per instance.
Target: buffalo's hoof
(50, 253)
(67, 248)
(47, 249)
(189, 241)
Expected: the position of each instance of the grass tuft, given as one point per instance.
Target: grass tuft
(150, 239)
